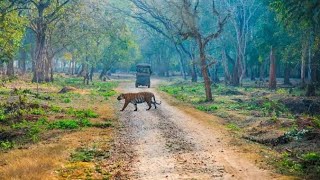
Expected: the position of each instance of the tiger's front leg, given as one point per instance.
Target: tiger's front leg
(124, 106)
(136, 107)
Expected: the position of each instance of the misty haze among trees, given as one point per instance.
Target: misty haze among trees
(201, 40)
(245, 73)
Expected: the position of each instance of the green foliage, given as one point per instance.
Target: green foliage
(84, 123)
(33, 129)
(287, 164)
(2, 114)
(109, 94)
(69, 124)
(86, 154)
(66, 100)
(12, 28)
(273, 106)
(56, 109)
(282, 91)
(83, 155)
(6, 145)
(64, 124)
(188, 92)
(295, 134)
(83, 113)
(233, 127)
(37, 111)
(207, 108)
(316, 121)
(308, 164)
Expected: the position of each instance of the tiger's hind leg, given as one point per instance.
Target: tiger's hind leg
(136, 107)
(149, 104)
(154, 102)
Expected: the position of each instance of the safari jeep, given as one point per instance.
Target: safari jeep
(143, 75)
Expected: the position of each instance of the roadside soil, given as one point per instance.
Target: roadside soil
(178, 142)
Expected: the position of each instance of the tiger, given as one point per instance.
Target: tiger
(137, 98)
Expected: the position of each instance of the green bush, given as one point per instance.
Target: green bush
(233, 127)
(38, 111)
(69, 124)
(287, 164)
(5, 145)
(84, 123)
(109, 94)
(208, 108)
(66, 100)
(308, 164)
(56, 109)
(33, 129)
(2, 115)
(86, 154)
(64, 124)
(86, 113)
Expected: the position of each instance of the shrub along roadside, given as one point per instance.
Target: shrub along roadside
(32, 130)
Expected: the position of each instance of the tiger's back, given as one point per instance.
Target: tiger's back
(137, 98)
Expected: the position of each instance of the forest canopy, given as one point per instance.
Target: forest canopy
(228, 41)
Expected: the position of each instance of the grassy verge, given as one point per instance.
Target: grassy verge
(25, 115)
(41, 118)
(277, 119)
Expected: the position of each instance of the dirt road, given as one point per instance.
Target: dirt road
(167, 143)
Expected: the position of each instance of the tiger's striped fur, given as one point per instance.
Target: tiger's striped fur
(137, 98)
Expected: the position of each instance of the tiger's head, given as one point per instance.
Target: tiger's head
(120, 97)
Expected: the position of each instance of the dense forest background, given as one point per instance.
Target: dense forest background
(229, 41)
(238, 80)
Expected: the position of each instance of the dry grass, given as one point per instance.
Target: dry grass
(34, 163)
(40, 161)
(46, 159)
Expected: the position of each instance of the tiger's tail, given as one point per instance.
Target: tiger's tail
(154, 101)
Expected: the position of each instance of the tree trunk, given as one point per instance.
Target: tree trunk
(182, 69)
(311, 88)
(194, 77)
(314, 66)
(82, 70)
(22, 61)
(74, 67)
(10, 68)
(214, 74)
(287, 71)
(91, 73)
(40, 53)
(39, 74)
(225, 67)
(272, 72)
(103, 73)
(204, 71)
(48, 67)
(236, 73)
(303, 64)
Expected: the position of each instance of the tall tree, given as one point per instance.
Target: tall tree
(12, 27)
(306, 14)
(42, 13)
